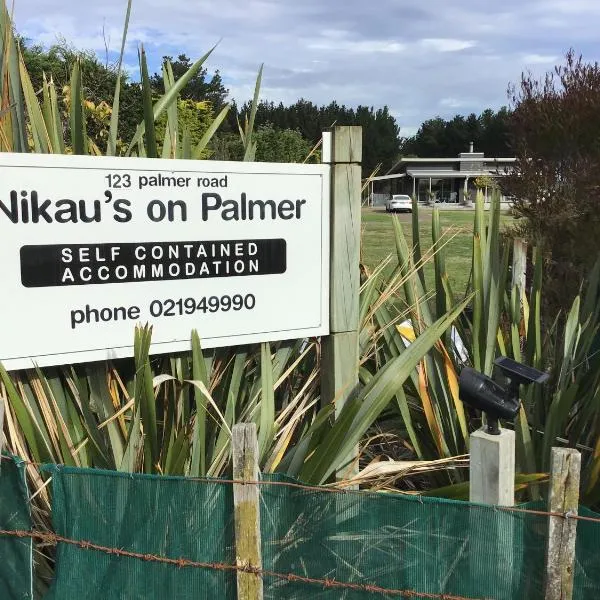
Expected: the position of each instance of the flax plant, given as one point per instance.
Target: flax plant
(501, 321)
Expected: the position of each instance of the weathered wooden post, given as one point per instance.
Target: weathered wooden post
(246, 501)
(562, 531)
(1, 426)
(342, 148)
(519, 278)
(519, 266)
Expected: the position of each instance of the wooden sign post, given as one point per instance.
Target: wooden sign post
(342, 147)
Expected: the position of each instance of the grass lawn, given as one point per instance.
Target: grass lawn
(378, 240)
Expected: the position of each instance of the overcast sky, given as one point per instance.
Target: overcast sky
(422, 59)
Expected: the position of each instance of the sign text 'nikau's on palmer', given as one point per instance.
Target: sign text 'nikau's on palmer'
(91, 246)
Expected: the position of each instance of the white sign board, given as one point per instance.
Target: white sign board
(92, 246)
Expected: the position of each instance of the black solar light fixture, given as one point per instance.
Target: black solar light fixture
(497, 402)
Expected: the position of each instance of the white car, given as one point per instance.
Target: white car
(399, 203)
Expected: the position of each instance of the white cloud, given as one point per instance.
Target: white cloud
(335, 34)
(572, 7)
(446, 44)
(339, 40)
(540, 59)
(358, 46)
(453, 103)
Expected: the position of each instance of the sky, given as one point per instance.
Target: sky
(421, 59)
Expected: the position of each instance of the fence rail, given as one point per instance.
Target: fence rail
(343, 491)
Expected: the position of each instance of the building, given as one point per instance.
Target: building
(447, 180)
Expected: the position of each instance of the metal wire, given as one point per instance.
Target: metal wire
(241, 568)
(335, 490)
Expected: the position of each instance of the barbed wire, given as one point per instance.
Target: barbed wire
(335, 490)
(227, 567)
(566, 515)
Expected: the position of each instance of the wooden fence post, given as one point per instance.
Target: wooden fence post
(562, 532)
(1, 424)
(339, 371)
(246, 501)
(519, 266)
(2, 408)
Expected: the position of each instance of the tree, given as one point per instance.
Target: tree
(429, 140)
(380, 138)
(57, 62)
(447, 138)
(381, 141)
(556, 180)
(227, 146)
(100, 80)
(272, 145)
(193, 119)
(99, 83)
(281, 145)
(495, 133)
(199, 89)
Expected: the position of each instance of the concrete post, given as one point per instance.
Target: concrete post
(492, 468)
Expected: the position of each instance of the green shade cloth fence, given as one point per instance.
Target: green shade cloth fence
(15, 554)
(392, 541)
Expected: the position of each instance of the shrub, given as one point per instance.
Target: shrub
(556, 180)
